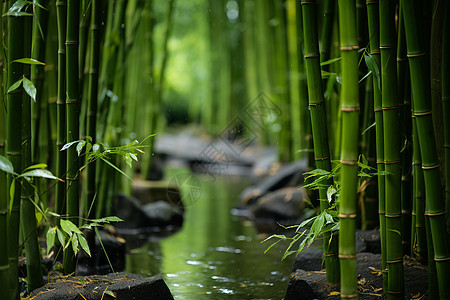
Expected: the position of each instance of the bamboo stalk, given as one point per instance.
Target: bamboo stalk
(16, 50)
(349, 147)
(27, 210)
(61, 156)
(326, 36)
(374, 37)
(319, 127)
(94, 50)
(446, 104)
(392, 147)
(72, 119)
(421, 92)
(4, 265)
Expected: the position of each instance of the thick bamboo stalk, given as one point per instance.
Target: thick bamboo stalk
(72, 119)
(27, 210)
(326, 35)
(319, 127)
(446, 104)
(349, 147)
(61, 156)
(421, 94)
(16, 50)
(392, 147)
(374, 37)
(94, 50)
(4, 265)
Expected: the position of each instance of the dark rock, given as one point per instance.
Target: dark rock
(309, 259)
(111, 286)
(368, 241)
(287, 176)
(283, 204)
(156, 171)
(152, 191)
(370, 281)
(162, 213)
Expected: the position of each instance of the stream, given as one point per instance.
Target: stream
(215, 255)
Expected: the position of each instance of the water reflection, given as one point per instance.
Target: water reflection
(215, 255)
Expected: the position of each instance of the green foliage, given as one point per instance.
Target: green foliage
(28, 86)
(328, 220)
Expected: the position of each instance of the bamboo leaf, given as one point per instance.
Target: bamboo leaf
(84, 244)
(80, 146)
(50, 237)
(15, 85)
(12, 191)
(61, 236)
(29, 88)
(273, 244)
(15, 9)
(330, 192)
(75, 244)
(6, 165)
(69, 227)
(36, 166)
(373, 67)
(40, 173)
(330, 61)
(68, 145)
(28, 61)
(368, 128)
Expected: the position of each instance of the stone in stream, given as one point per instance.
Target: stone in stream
(289, 175)
(106, 287)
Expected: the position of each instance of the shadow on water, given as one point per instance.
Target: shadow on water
(215, 255)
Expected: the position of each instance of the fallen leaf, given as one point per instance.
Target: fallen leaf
(334, 294)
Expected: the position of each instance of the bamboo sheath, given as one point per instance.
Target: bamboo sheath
(349, 147)
(319, 127)
(421, 94)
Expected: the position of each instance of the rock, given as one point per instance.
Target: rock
(145, 218)
(283, 204)
(152, 191)
(287, 176)
(310, 259)
(115, 248)
(96, 287)
(156, 171)
(312, 284)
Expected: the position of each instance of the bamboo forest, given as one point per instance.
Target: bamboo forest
(225, 149)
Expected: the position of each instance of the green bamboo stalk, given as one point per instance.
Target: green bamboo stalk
(404, 95)
(27, 209)
(392, 147)
(94, 50)
(72, 115)
(421, 92)
(40, 21)
(326, 35)
(319, 127)
(4, 265)
(349, 147)
(374, 37)
(61, 156)
(446, 105)
(16, 50)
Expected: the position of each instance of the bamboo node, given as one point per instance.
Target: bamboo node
(348, 162)
(13, 153)
(307, 2)
(430, 167)
(435, 214)
(386, 47)
(444, 99)
(380, 162)
(418, 114)
(312, 55)
(396, 261)
(350, 108)
(391, 107)
(387, 162)
(393, 215)
(374, 52)
(415, 55)
(417, 163)
(399, 59)
(441, 259)
(347, 216)
(321, 158)
(349, 256)
(316, 104)
(349, 296)
(378, 110)
(72, 178)
(68, 101)
(406, 212)
(395, 292)
(348, 48)
(331, 254)
(71, 43)
(4, 268)
(3, 213)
